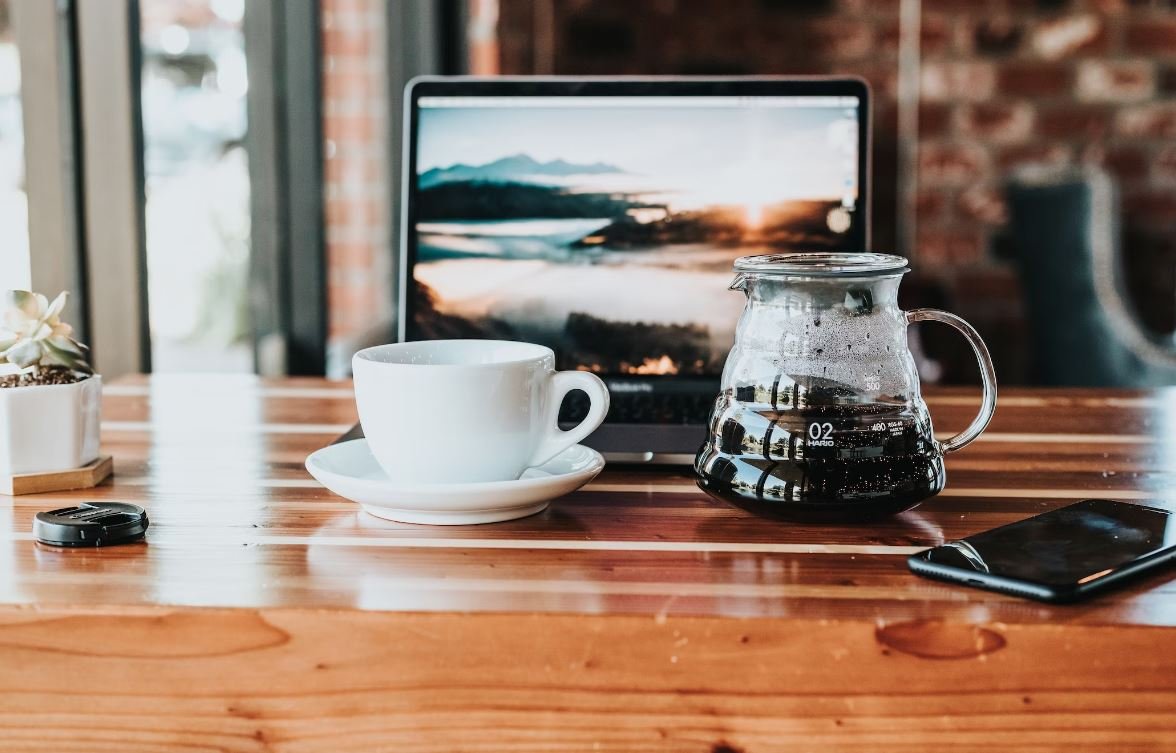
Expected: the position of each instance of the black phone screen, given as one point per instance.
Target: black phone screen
(1071, 546)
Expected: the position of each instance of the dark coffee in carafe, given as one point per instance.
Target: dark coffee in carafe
(827, 461)
(821, 417)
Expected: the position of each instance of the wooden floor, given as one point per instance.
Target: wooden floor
(264, 613)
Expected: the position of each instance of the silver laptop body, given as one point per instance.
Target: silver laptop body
(601, 217)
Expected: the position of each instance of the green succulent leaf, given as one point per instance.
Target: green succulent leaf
(15, 321)
(23, 300)
(55, 308)
(25, 353)
(32, 333)
(65, 344)
(70, 360)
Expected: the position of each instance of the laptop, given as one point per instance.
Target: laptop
(601, 217)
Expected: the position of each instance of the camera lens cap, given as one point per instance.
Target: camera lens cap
(97, 524)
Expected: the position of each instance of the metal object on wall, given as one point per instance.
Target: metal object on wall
(1064, 227)
(1108, 275)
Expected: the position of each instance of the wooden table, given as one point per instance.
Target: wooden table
(264, 613)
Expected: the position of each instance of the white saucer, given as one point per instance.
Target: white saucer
(349, 470)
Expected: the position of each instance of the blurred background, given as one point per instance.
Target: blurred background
(217, 179)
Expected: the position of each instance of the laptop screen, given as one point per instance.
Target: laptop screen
(606, 226)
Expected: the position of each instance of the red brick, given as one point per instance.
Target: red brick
(351, 286)
(882, 78)
(515, 37)
(347, 6)
(1151, 206)
(1115, 80)
(934, 119)
(355, 171)
(346, 168)
(876, 7)
(950, 164)
(1164, 166)
(1068, 35)
(969, 81)
(962, 42)
(930, 205)
(352, 212)
(339, 84)
(351, 255)
(345, 20)
(1152, 36)
(1147, 120)
(340, 212)
(840, 39)
(983, 204)
(1034, 79)
(350, 128)
(346, 43)
(1073, 121)
(948, 6)
(1126, 162)
(336, 328)
(1000, 35)
(1111, 7)
(935, 34)
(991, 283)
(885, 118)
(1014, 157)
(1166, 80)
(950, 246)
(367, 212)
(997, 123)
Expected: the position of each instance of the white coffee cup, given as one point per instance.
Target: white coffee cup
(444, 411)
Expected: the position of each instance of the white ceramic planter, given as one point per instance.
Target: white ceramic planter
(49, 428)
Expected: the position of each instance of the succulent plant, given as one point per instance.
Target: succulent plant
(32, 334)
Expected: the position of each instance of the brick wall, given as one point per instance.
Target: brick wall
(355, 129)
(1048, 82)
(1002, 83)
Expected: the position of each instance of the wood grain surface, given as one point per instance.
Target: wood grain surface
(265, 614)
(86, 477)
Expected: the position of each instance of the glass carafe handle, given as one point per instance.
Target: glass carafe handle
(987, 374)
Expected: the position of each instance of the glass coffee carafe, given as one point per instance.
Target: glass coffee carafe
(820, 416)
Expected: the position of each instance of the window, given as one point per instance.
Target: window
(14, 219)
(194, 89)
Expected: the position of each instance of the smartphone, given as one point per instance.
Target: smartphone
(1060, 556)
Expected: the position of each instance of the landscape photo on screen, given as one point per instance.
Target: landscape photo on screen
(608, 233)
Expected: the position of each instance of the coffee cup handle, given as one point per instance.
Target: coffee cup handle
(555, 440)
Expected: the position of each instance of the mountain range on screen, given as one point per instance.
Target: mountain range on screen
(517, 168)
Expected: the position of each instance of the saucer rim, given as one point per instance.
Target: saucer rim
(594, 466)
(430, 517)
